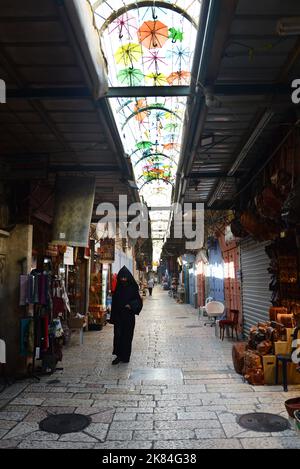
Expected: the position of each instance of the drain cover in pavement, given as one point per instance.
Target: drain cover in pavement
(65, 423)
(262, 422)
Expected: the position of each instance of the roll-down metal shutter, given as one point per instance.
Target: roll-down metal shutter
(255, 283)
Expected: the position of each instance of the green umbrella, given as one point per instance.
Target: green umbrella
(145, 145)
(130, 76)
(175, 35)
(171, 127)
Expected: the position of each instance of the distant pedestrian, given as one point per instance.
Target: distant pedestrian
(126, 303)
(150, 286)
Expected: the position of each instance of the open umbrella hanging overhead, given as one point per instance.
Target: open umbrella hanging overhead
(157, 79)
(153, 34)
(130, 76)
(180, 54)
(179, 78)
(154, 59)
(124, 24)
(129, 54)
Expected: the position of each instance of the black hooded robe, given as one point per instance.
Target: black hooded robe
(124, 318)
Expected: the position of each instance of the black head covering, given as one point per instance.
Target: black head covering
(124, 272)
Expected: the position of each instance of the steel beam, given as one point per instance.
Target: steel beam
(147, 91)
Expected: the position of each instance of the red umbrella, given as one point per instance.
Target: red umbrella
(179, 78)
(153, 34)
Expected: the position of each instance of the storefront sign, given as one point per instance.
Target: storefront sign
(107, 251)
(69, 256)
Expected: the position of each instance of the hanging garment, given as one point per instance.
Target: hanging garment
(36, 288)
(23, 289)
(30, 290)
(27, 337)
(2, 352)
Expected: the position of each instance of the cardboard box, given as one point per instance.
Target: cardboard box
(282, 348)
(269, 365)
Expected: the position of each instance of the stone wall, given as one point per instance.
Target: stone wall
(14, 249)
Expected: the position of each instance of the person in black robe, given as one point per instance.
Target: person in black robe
(126, 303)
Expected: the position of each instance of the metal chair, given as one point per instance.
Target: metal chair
(214, 309)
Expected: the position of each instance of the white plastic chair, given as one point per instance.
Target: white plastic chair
(214, 310)
(203, 308)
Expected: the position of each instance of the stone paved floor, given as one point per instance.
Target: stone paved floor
(196, 406)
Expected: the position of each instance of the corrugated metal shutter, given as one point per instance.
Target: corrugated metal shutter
(255, 283)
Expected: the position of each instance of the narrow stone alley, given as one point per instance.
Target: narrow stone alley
(178, 391)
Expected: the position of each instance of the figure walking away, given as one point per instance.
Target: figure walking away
(126, 303)
(150, 286)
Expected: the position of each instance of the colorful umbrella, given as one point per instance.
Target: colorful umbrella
(130, 76)
(175, 35)
(179, 78)
(153, 34)
(171, 127)
(158, 79)
(128, 54)
(124, 23)
(171, 146)
(140, 104)
(181, 54)
(154, 59)
(145, 145)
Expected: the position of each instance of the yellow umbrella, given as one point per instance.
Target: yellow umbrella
(128, 54)
(157, 79)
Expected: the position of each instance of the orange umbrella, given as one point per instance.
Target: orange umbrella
(140, 104)
(153, 34)
(179, 78)
(171, 146)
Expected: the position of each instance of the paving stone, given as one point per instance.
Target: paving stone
(165, 417)
(97, 430)
(271, 443)
(197, 416)
(3, 432)
(29, 401)
(199, 444)
(164, 435)
(67, 402)
(22, 429)
(7, 424)
(123, 435)
(9, 444)
(42, 436)
(12, 415)
(55, 445)
(187, 424)
(214, 433)
(124, 445)
(79, 436)
(36, 415)
(127, 416)
(132, 425)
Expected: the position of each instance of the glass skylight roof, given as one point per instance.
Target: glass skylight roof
(149, 45)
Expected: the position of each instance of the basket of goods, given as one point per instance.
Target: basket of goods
(292, 405)
(253, 368)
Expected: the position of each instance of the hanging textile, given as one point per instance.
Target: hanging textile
(27, 337)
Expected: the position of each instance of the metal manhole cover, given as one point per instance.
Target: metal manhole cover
(65, 423)
(262, 422)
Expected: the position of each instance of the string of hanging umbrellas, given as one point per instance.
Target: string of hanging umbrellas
(152, 35)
